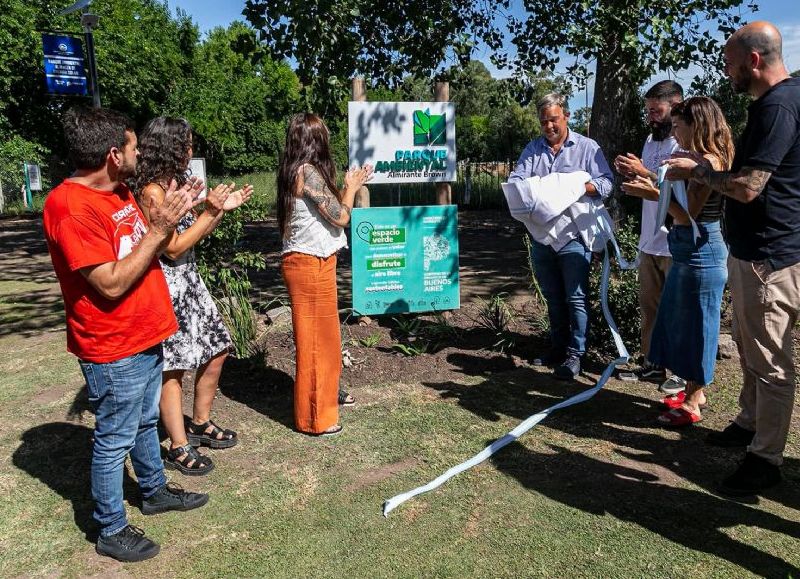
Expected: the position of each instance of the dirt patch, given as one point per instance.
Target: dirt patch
(378, 474)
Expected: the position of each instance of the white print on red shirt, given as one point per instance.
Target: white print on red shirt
(130, 230)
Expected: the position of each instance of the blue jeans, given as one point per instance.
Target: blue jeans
(125, 396)
(563, 276)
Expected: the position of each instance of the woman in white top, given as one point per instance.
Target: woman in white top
(311, 214)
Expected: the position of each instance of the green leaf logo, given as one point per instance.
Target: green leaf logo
(429, 129)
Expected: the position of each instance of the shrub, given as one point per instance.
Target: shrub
(623, 296)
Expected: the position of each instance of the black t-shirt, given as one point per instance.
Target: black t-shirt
(769, 226)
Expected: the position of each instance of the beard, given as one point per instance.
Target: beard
(742, 84)
(126, 171)
(660, 131)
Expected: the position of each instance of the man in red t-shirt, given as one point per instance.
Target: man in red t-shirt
(118, 311)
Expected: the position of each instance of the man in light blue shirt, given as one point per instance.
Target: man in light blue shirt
(562, 266)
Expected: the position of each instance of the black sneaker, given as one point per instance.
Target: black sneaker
(129, 545)
(754, 475)
(172, 497)
(550, 358)
(569, 369)
(652, 373)
(733, 436)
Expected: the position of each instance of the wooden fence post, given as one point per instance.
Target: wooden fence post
(444, 195)
(360, 95)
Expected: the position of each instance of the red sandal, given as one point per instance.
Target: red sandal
(678, 417)
(676, 401)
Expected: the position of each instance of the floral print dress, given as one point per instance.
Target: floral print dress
(201, 332)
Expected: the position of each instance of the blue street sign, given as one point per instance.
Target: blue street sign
(63, 64)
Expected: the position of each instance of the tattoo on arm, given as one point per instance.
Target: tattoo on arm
(743, 186)
(317, 191)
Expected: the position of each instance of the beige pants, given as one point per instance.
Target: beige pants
(765, 309)
(653, 271)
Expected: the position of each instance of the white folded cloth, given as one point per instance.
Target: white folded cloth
(538, 202)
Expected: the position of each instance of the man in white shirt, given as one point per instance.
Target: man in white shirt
(655, 258)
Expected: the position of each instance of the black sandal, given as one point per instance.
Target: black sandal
(186, 460)
(346, 399)
(217, 438)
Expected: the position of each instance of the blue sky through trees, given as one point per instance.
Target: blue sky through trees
(785, 14)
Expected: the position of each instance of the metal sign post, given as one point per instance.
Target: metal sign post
(88, 21)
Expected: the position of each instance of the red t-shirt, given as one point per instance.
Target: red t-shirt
(86, 227)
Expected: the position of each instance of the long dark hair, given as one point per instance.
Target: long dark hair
(307, 141)
(163, 152)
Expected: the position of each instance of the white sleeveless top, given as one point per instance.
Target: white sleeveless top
(311, 233)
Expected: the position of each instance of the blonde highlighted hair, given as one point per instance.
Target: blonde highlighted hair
(711, 134)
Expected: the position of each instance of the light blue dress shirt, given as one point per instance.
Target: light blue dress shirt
(578, 153)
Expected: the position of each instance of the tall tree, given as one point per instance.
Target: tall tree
(237, 100)
(333, 40)
(627, 40)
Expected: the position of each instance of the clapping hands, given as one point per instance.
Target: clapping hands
(238, 197)
(356, 177)
(217, 197)
(641, 187)
(164, 216)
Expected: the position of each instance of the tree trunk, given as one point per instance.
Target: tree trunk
(613, 119)
(613, 97)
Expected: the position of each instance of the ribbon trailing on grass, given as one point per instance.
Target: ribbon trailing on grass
(394, 502)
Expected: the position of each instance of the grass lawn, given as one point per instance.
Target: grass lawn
(594, 491)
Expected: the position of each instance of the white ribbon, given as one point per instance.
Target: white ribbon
(667, 190)
(535, 419)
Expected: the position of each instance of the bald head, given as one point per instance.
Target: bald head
(761, 37)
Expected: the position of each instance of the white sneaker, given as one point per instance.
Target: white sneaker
(673, 385)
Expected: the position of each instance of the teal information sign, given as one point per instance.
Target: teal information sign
(405, 259)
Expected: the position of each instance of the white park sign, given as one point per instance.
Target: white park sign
(404, 142)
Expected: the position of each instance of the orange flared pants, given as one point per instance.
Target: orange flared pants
(311, 282)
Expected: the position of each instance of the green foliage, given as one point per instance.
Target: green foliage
(149, 63)
(407, 327)
(370, 341)
(416, 336)
(237, 100)
(14, 151)
(733, 105)
(334, 41)
(142, 52)
(579, 120)
(265, 192)
(233, 302)
(623, 296)
(541, 320)
(496, 315)
(417, 348)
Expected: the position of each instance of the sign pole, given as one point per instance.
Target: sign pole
(28, 196)
(360, 95)
(443, 190)
(89, 21)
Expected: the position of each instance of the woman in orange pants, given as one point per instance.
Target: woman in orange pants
(312, 213)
